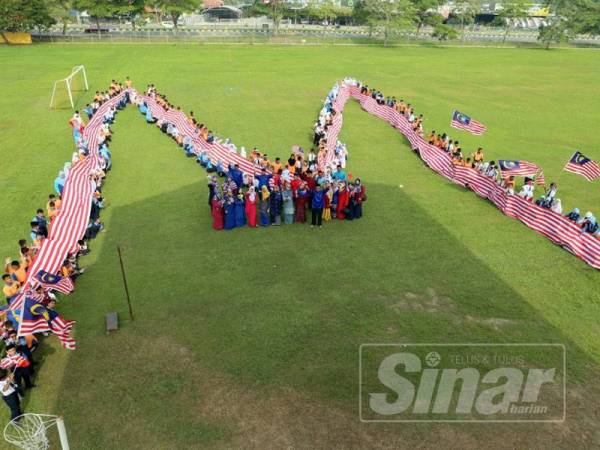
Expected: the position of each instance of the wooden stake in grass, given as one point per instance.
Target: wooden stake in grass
(125, 282)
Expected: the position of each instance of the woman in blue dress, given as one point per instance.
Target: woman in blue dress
(240, 210)
(229, 209)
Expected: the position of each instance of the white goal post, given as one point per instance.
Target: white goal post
(68, 81)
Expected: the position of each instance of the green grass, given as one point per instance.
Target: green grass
(250, 338)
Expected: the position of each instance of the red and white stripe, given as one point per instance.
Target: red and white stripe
(8, 362)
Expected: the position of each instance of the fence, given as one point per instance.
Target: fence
(306, 34)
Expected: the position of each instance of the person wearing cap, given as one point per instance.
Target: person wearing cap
(10, 393)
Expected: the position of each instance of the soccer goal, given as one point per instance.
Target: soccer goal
(63, 89)
(30, 431)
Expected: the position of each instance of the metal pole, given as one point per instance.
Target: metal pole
(125, 283)
(62, 433)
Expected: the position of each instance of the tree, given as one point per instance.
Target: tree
(390, 15)
(465, 11)
(130, 8)
(175, 8)
(23, 15)
(327, 11)
(96, 8)
(426, 13)
(274, 9)
(556, 30)
(362, 16)
(512, 10)
(444, 32)
(583, 16)
(61, 9)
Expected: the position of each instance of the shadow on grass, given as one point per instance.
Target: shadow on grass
(279, 307)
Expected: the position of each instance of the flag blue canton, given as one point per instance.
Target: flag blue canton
(462, 118)
(580, 159)
(508, 164)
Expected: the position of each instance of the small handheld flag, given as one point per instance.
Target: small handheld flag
(464, 122)
(49, 281)
(584, 166)
(520, 168)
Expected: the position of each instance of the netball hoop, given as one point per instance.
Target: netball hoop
(29, 431)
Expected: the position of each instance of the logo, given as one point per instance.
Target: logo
(462, 383)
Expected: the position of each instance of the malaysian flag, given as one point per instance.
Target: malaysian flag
(33, 317)
(62, 329)
(520, 168)
(16, 360)
(584, 166)
(464, 122)
(49, 281)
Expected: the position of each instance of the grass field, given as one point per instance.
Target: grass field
(250, 338)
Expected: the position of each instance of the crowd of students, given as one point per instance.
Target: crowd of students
(588, 222)
(273, 201)
(17, 366)
(280, 192)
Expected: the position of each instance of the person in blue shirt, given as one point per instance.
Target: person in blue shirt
(220, 170)
(59, 182)
(143, 107)
(263, 179)
(89, 111)
(574, 215)
(42, 222)
(339, 174)
(236, 175)
(149, 117)
(202, 158)
(317, 205)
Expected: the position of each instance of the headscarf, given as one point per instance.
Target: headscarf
(265, 193)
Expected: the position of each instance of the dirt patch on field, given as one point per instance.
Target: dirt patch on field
(283, 418)
(433, 303)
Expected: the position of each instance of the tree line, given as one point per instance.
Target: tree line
(566, 18)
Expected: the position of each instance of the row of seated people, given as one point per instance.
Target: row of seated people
(17, 365)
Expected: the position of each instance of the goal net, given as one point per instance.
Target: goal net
(30, 431)
(65, 90)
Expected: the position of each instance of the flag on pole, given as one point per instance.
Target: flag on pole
(584, 166)
(520, 168)
(33, 318)
(464, 122)
(49, 281)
